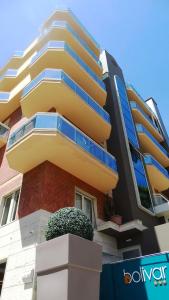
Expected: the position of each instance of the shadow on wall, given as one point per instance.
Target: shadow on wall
(144, 278)
(32, 228)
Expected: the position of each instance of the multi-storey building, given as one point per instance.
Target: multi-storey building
(71, 134)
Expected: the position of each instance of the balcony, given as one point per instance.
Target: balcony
(13, 77)
(13, 63)
(141, 117)
(58, 55)
(158, 175)
(67, 15)
(49, 136)
(67, 98)
(4, 132)
(9, 102)
(123, 231)
(7, 80)
(133, 95)
(150, 145)
(62, 31)
(161, 205)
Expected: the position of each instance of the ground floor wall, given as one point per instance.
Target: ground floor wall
(18, 241)
(50, 188)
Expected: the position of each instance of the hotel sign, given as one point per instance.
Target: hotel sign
(141, 278)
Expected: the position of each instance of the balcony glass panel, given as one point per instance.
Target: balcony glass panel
(160, 200)
(65, 25)
(149, 160)
(60, 124)
(80, 25)
(54, 74)
(4, 96)
(10, 73)
(142, 129)
(3, 130)
(62, 45)
(18, 54)
(84, 29)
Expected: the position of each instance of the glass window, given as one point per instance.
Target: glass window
(131, 253)
(2, 273)
(126, 110)
(141, 179)
(9, 208)
(86, 204)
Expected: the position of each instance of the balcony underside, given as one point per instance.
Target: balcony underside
(8, 107)
(68, 16)
(157, 179)
(122, 231)
(58, 95)
(60, 59)
(62, 34)
(149, 147)
(12, 101)
(38, 147)
(8, 83)
(139, 118)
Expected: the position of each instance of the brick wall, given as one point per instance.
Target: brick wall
(48, 187)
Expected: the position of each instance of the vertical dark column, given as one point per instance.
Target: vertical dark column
(132, 190)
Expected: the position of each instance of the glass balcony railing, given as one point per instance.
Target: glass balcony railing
(80, 25)
(84, 29)
(4, 130)
(65, 25)
(133, 104)
(63, 46)
(4, 96)
(50, 121)
(11, 73)
(150, 160)
(141, 129)
(60, 75)
(160, 200)
(18, 54)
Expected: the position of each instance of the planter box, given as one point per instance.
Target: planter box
(68, 268)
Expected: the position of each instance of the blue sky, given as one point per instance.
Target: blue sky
(135, 32)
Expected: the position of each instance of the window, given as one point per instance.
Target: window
(2, 272)
(141, 178)
(126, 111)
(86, 204)
(131, 252)
(9, 208)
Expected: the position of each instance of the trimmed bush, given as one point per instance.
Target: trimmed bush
(69, 220)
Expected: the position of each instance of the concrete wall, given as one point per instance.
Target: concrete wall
(18, 247)
(163, 236)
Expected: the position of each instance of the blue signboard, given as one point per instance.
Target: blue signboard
(144, 278)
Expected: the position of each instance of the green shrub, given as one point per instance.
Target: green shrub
(69, 220)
